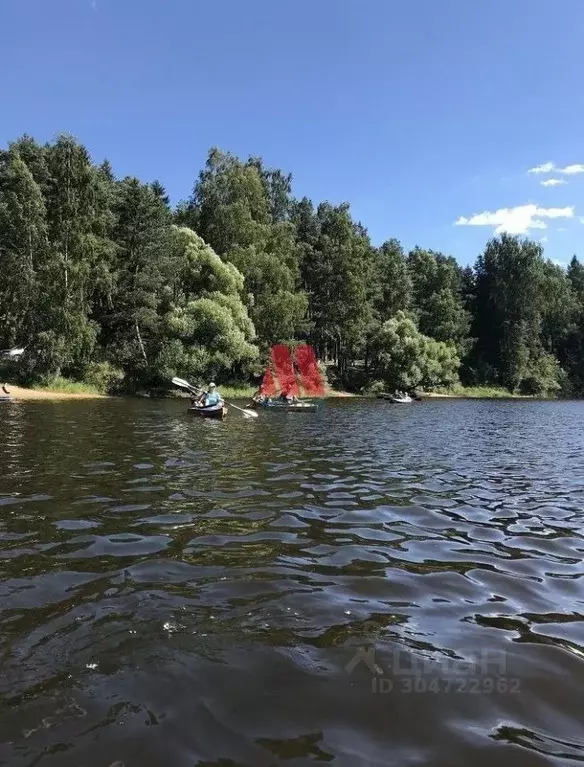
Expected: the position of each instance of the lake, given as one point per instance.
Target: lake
(365, 585)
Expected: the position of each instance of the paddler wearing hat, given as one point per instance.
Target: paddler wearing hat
(211, 396)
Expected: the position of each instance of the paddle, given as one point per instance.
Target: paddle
(182, 384)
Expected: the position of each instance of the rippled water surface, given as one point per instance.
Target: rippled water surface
(367, 585)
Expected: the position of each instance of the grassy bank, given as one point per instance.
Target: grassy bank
(237, 392)
(65, 386)
(477, 392)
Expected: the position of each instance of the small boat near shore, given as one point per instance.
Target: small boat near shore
(5, 398)
(400, 400)
(405, 400)
(215, 412)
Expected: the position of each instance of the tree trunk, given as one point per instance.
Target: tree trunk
(143, 350)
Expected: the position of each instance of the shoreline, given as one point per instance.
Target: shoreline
(21, 394)
(486, 396)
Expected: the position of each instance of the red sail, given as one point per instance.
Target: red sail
(282, 360)
(268, 384)
(312, 380)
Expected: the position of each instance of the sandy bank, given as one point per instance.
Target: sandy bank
(17, 393)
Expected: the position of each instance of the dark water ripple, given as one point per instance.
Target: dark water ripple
(366, 585)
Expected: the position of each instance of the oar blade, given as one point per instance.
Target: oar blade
(182, 384)
(246, 413)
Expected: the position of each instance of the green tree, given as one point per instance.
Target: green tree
(572, 351)
(278, 308)
(240, 209)
(131, 323)
(23, 248)
(208, 331)
(160, 193)
(575, 275)
(406, 359)
(338, 274)
(510, 302)
(438, 299)
(229, 206)
(34, 155)
(559, 308)
(78, 242)
(393, 280)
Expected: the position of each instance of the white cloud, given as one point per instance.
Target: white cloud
(553, 182)
(547, 167)
(571, 169)
(550, 167)
(518, 220)
(544, 239)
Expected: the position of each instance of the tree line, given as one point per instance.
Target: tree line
(104, 281)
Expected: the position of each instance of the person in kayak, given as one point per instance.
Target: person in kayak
(212, 396)
(288, 397)
(260, 395)
(207, 398)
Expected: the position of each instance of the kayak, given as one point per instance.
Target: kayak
(217, 412)
(287, 407)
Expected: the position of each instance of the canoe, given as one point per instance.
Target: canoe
(217, 412)
(292, 407)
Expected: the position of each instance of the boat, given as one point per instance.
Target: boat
(5, 398)
(401, 400)
(12, 353)
(405, 400)
(288, 407)
(275, 389)
(216, 412)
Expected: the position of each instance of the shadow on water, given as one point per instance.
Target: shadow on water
(365, 585)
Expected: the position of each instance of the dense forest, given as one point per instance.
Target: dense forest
(104, 281)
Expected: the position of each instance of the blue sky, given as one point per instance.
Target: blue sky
(419, 113)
